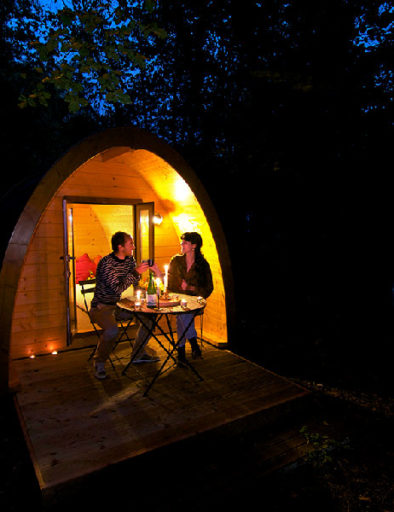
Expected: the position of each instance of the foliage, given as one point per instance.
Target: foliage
(90, 51)
(321, 447)
(180, 64)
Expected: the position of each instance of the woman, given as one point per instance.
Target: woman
(189, 273)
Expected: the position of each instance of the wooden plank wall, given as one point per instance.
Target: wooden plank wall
(39, 316)
(162, 177)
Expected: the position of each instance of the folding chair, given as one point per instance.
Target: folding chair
(89, 286)
(200, 339)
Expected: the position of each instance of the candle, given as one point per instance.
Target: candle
(137, 304)
(183, 303)
(138, 294)
(165, 278)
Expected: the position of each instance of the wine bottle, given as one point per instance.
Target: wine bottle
(151, 297)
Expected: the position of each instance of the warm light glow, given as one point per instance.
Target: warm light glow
(185, 223)
(157, 219)
(54, 352)
(139, 174)
(182, 190)
(144, 234)
(138, 294)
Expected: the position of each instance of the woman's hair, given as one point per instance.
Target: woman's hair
(119, 238)
(194, 238)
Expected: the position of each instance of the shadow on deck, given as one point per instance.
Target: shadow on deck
(103, 440)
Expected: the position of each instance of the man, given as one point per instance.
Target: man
(115, 273)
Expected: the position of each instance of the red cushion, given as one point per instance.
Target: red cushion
(95, 262)
(83, 266)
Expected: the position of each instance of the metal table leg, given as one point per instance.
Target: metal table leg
(174, 347)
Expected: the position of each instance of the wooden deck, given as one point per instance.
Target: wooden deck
(76, 425)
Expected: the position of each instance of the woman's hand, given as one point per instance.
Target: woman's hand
(186, 286)
(156, 270)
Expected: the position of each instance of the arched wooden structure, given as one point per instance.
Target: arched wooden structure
(118, 164)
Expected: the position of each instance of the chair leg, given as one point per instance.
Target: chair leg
(201, 330)
(92, 353)
(124, 335)
(112, 363)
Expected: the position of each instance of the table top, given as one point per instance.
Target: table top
(193, 304)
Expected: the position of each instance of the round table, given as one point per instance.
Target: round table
(194, 305)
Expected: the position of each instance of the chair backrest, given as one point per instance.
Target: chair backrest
(88, 286)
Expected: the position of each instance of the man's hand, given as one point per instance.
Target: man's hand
(142, 267)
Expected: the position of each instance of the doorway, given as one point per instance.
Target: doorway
(89, 224)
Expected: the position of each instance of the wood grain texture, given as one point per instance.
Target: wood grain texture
(76, 425)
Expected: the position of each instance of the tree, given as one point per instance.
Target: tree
(90, 51)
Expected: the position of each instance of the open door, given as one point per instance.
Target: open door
(69, 269)
(89, 224)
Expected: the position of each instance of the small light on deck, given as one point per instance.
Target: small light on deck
(54, 352)
(32, 356)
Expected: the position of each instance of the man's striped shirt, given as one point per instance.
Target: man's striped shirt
(113, 277)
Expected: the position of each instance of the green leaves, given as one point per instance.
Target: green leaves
(91, 55)
(321, 447)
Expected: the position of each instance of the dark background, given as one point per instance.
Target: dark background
(286, 118)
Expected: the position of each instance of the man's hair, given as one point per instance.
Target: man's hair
(119, 238)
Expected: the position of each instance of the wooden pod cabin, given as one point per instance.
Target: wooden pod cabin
(116, 180)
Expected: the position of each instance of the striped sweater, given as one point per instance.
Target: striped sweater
(113, 277)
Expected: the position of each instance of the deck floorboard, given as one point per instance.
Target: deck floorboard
(75, 425)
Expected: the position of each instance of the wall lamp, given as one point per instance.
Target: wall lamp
(157, 219)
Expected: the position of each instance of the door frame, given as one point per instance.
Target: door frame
(67, 258)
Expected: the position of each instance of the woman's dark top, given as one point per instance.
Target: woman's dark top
(199, 276)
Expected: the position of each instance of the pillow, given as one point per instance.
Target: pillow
(83, 266)
(95, 262)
